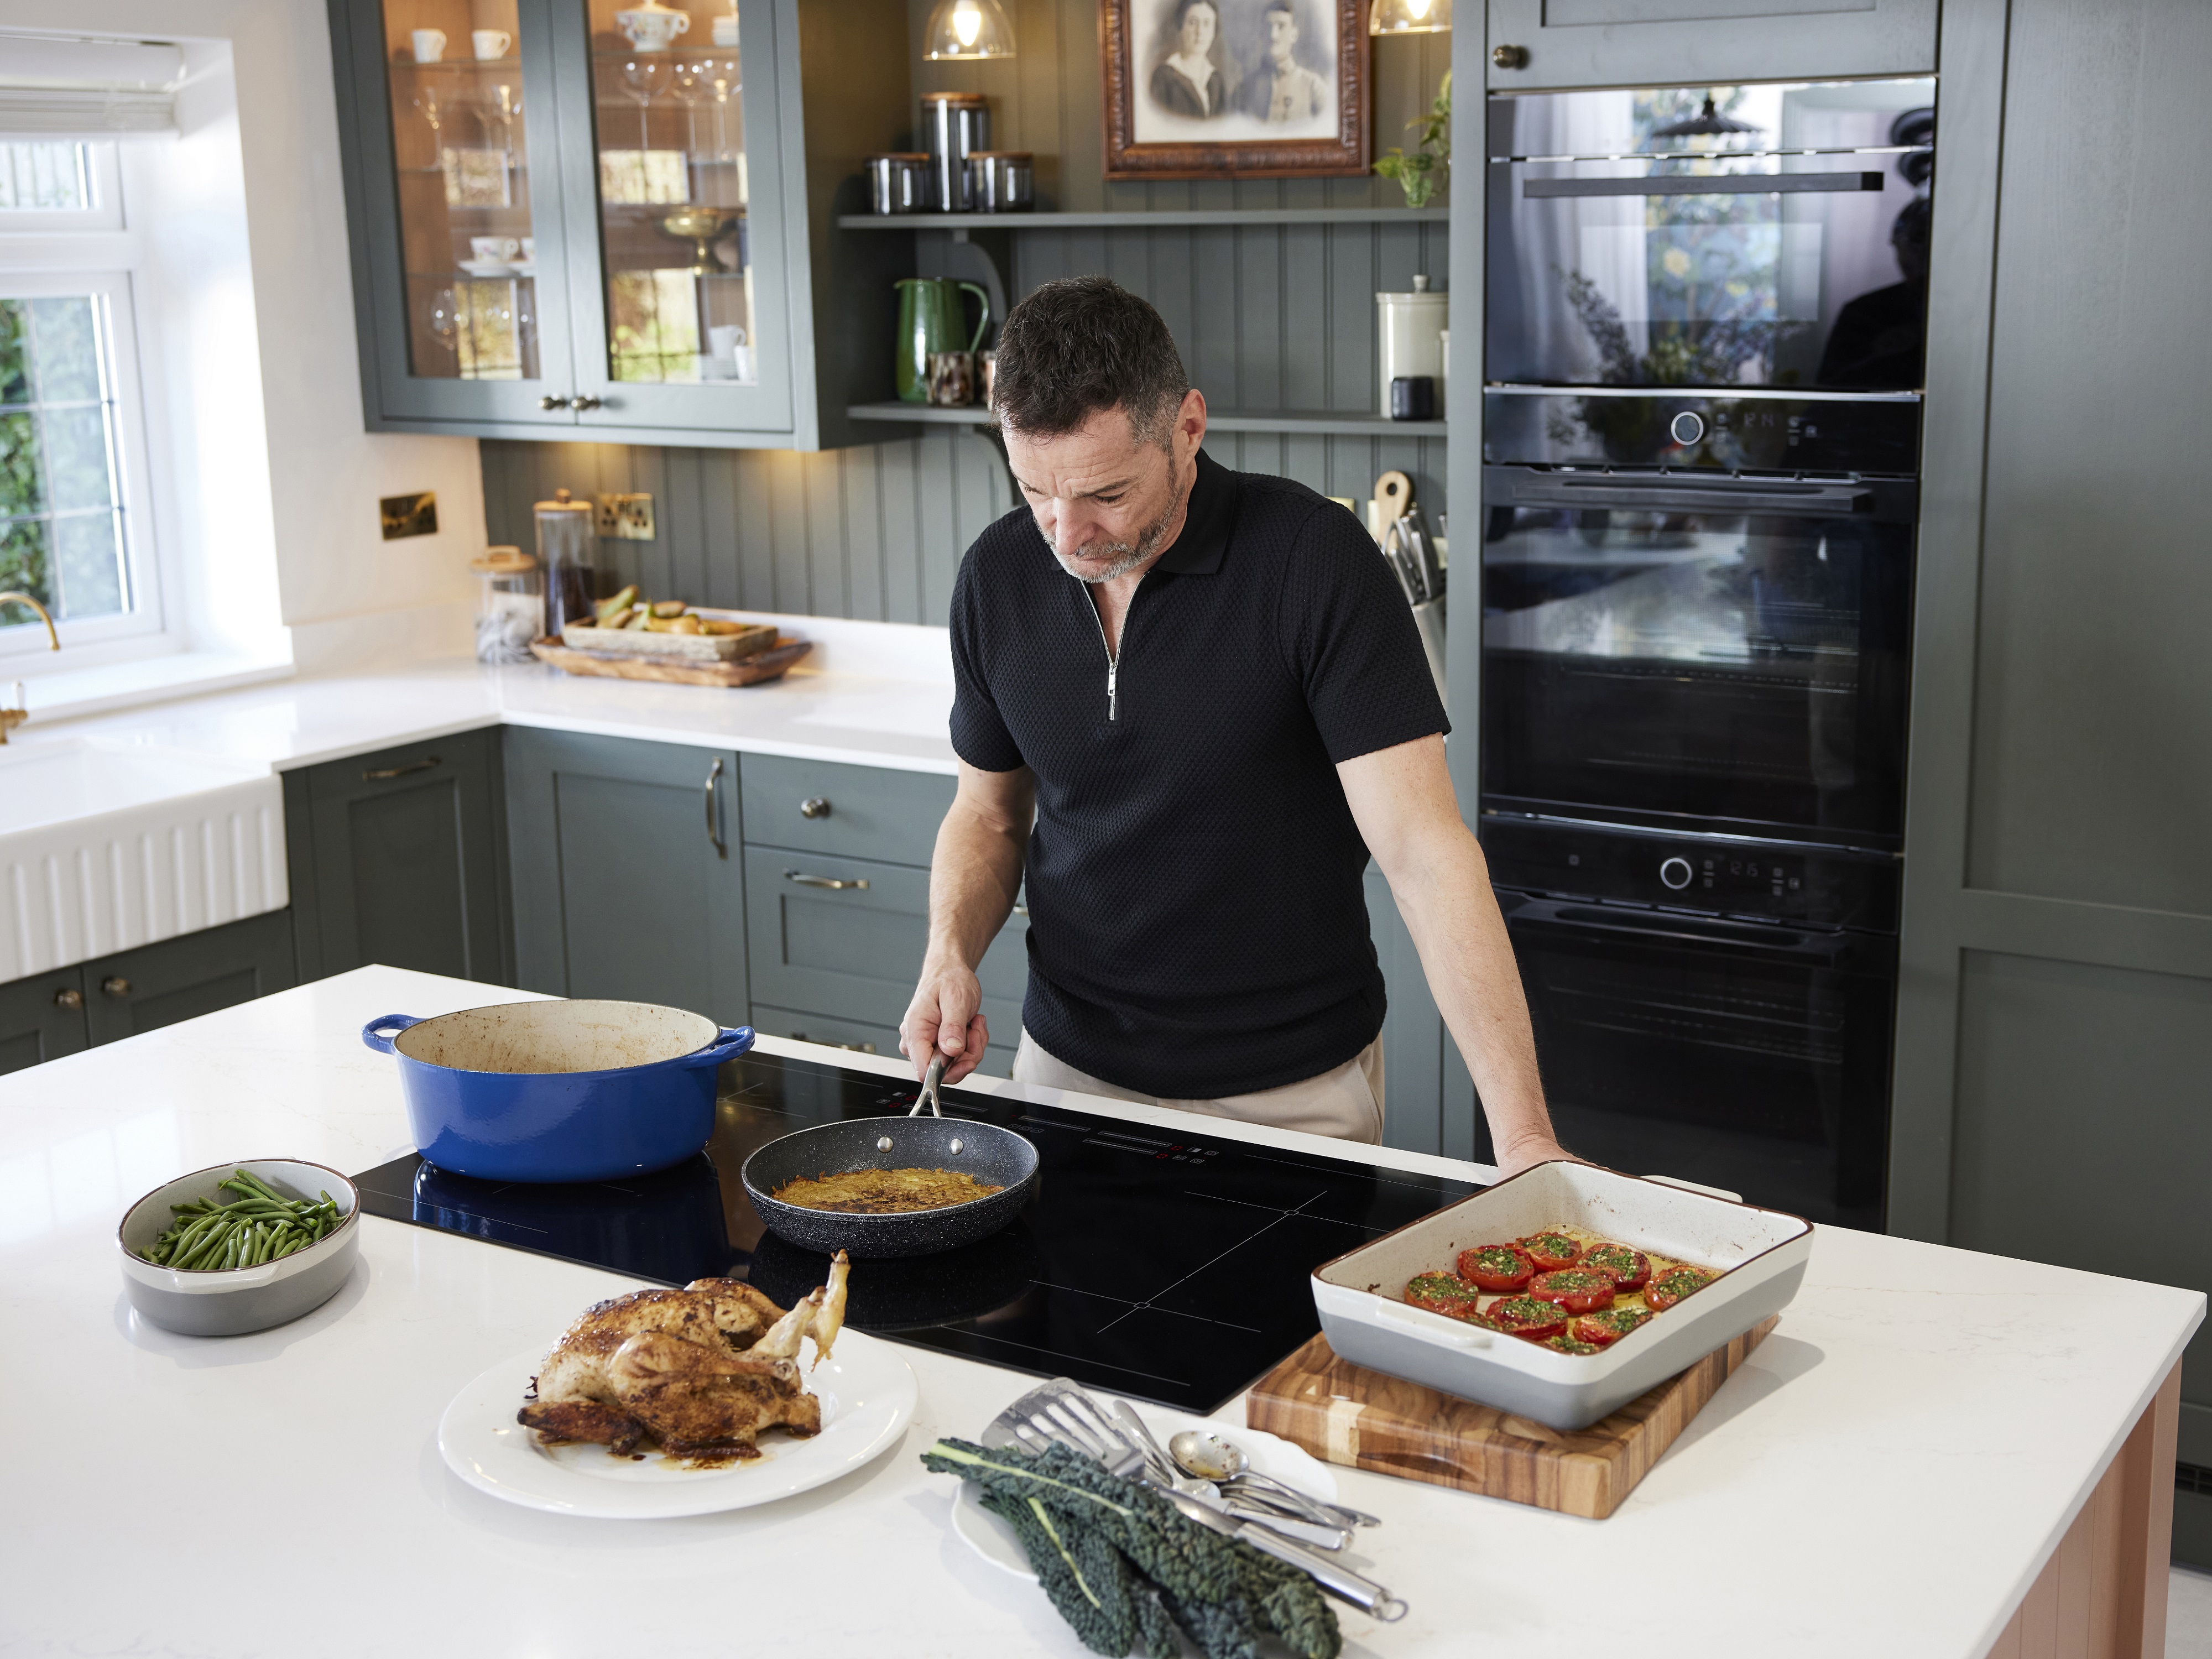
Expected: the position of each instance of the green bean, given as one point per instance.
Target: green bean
(260, 1226)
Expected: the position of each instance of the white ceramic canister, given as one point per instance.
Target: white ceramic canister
(1409, 339)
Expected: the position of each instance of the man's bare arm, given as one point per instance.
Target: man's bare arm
(1401, 799)
(973, 878)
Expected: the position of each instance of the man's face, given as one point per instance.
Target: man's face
(1103, 498)
(1282, 35)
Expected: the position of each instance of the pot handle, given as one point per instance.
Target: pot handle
(373, 1033)
(733, 1041)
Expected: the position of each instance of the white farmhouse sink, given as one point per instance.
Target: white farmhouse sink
(103, 847)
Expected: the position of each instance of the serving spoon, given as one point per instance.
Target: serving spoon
(1210, 1458)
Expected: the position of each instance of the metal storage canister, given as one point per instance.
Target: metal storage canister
(1002, 181)
(1410, 339)
(510, 605)
(566, 548)
(955, 125)
(898, 182)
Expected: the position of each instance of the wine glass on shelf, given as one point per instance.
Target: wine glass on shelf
(720, 77)
(500, 106)
(688, 81)
(645, 76)
(445, 320)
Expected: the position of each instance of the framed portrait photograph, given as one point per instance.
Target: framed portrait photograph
(1260, 88)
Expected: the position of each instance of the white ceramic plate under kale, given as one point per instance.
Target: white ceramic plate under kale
(867, 1393)
(998, 1543)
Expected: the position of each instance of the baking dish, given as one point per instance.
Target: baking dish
(1764, 1252)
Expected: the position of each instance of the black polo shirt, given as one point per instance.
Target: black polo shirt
(1197, 923)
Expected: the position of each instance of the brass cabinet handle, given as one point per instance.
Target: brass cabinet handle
(1509, 57)
(551, 402)
(714, 823)
(581, 402)
(836, 883)
(116, 986)
(384, 772)
(814, 806)
(69, 997)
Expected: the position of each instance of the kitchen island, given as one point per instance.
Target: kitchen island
(1936, 1453)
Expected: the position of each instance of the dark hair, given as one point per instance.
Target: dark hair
(1082, 344)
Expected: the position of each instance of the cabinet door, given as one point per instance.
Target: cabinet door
(672, 159)
(183, 978)
(1669, 43)
(627, 880)
(1412, 1030)
(42, 1018)
(459, 264)
(404, 861)
(845, 936)
(843, 812)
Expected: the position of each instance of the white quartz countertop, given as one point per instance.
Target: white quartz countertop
(1885, 1475)
(870, 694)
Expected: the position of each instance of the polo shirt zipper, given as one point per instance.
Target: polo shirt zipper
(1113, 668)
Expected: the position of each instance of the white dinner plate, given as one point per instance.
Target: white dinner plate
(867, 1393)
(998, 1543)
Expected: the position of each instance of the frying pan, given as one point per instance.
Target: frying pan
(994, 1156)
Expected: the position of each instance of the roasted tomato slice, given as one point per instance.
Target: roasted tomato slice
(1630, 1270)
(1443, 1293)
(1525, 1316)
(1578, 1289)
(1571, 1345)
(1551, 1251)
(1607, 1326)
(1496, 1266)
(1671, 1286)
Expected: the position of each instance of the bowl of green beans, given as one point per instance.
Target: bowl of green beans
(239, 1247)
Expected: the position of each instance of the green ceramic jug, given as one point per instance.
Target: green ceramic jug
(930, 320)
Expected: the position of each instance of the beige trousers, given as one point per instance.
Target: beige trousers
(1346, 1103)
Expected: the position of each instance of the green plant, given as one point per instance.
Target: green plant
(1430, 166)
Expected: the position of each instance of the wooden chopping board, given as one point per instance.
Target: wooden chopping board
(1344, 1413)
(743, 671)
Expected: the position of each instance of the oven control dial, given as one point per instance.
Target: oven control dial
(1687, 428)
(1675, 874)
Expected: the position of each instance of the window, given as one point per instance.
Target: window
(73, 532)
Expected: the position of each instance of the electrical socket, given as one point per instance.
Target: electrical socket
(626, 517)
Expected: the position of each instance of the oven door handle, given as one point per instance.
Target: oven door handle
(1691, 495)
(1771, 937)
(1690, 183)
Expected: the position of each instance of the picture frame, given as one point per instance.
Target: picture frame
(1236, 88)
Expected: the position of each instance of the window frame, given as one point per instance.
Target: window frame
(103, 170)
(90, 251)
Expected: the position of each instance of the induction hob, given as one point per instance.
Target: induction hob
(1169, 1270)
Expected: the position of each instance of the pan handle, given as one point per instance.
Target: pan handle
(373, 1033)
(927, 1094)
(733, 1041)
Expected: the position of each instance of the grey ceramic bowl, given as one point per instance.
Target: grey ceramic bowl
(201, 1303)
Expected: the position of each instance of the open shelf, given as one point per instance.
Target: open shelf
(1313, 425)
(1148, 218)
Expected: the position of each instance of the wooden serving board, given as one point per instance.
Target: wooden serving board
(1345, 1413)
(744, 670)
(750, 640)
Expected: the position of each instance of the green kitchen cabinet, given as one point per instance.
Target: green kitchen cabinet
(42, 1018)
(628, 882)
(560, 230)
(182, 978)
(399, 858)
(1413, 1036)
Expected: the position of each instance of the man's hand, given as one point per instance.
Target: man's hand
(974, 878)
(1530, 1150)
(943, 1018)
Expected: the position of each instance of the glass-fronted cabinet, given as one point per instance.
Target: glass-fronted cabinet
(578, 214)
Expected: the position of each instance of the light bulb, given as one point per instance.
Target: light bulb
(968, 21)
(1420, 9)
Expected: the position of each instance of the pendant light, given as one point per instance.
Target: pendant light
(1707, 123)
(970, 28)
(1410, 17)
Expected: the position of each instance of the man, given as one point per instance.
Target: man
(1281, 89)
(1191, 747)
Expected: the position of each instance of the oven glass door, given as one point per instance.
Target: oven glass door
(1748, 1057)
(1719, 651)
(1777, 236)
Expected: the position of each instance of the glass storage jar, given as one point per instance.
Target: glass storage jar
(510, 605)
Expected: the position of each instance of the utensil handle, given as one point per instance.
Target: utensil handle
(733, 1041)
(928, 1091)
(1340, 1581)
(372, 1033)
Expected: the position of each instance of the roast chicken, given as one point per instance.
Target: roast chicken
(702, 1369)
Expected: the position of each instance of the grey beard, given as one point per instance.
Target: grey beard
(1126, 556)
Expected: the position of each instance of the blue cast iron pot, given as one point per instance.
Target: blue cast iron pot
(547, 1091)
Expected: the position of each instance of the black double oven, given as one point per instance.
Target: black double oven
(1701, 447)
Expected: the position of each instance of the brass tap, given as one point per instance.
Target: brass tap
(11, 718)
